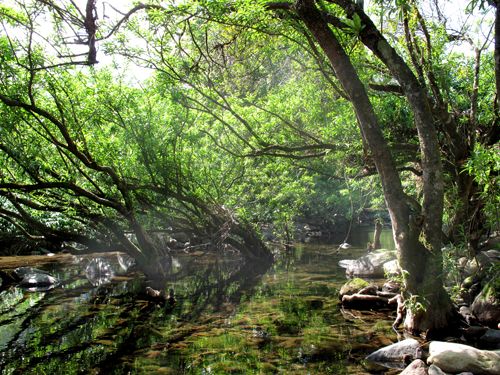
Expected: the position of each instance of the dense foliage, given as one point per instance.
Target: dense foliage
(241, 114)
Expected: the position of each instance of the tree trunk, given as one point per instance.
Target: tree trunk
(496, 105)
(376, 235)
(422, 263)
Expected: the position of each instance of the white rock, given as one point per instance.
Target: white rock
(37, 279)
(346, 263)
(455, 358)
(417, 367)
(369, 265)
(401, 351)
(434, 370)
(392, 267)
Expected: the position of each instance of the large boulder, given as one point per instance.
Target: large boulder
(455, 358)
(434, 370)
(490, 339)
(481, 261)
(391, 267)
(486, 305)
(369, 265)
(346, 263)
(397, 354)
(493, 254)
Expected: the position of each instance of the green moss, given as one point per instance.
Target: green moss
(353, 286)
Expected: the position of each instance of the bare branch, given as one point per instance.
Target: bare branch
(127, 15)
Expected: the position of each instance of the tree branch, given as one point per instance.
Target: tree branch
(395, 89)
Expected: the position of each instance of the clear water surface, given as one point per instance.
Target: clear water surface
(229, 318)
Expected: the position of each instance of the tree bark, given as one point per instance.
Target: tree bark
(496, 4)
(376, 234)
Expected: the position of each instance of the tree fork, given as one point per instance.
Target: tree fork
(407, 225)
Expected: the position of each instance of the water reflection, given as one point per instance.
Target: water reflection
(99, 271)
(229, 317)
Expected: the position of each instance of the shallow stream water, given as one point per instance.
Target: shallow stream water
(228, 317)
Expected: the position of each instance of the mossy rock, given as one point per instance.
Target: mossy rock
(353, 286)
(468, 282)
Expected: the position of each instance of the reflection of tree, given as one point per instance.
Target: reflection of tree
(84, 329)
(63, 324)
(219, 283)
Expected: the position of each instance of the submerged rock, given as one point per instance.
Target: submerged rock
(370, 265)
(258, 332)
(38, 280)
(21, 272)
(456, 358)
(34, 279)
(160, 297)
(398, 354)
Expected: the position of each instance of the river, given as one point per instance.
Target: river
(228, 318)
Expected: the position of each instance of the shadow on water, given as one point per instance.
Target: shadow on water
(229, 317)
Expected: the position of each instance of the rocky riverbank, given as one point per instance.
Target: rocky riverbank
(473, 346)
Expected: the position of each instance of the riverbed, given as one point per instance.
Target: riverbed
(228, 317)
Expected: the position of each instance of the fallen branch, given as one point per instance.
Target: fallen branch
(400, 310)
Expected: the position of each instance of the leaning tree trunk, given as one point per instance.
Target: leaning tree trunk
(228, 230)
(423, 264)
